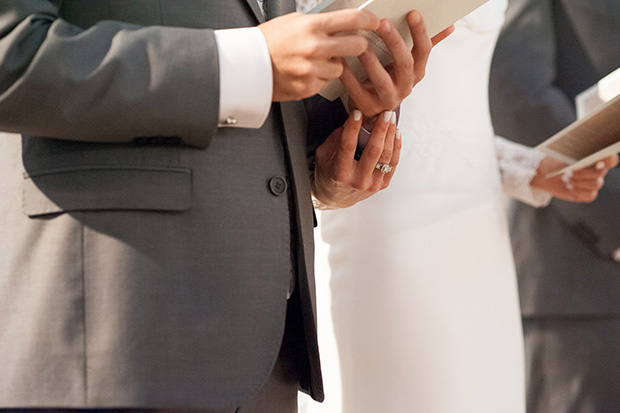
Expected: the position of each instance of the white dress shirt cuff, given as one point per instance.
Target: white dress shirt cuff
(246, 80)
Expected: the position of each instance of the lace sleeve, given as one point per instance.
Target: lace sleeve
(517, 166)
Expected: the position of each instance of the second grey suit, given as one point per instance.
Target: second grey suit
(569, 285)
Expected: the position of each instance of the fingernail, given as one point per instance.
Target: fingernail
(387, 115)
(600, 166)
(385, 26)
(416, 17)
(566, 176)
(399, 134)
(600, 181)
(357, 115)
(393, 119)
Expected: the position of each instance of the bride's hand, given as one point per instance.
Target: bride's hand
(576, 186)
(341, 181)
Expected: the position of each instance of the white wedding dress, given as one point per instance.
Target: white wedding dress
(423, 291)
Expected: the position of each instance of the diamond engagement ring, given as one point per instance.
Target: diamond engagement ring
(383, 167)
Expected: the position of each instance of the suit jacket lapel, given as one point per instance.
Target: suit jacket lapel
(258, 13)
(277, 8)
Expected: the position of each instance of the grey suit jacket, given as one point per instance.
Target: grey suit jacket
(548, 52)
(145, 254)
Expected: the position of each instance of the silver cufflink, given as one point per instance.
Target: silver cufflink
(230, 121)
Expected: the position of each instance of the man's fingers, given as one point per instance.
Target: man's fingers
(435, 40)
(422, 45)
(329, 69)
(347, 20)
(338, 46)
(356, 91)
(403, 60)
(381, 80)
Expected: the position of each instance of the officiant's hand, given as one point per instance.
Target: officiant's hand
(339, 180)
(581, 185)
(386, 87)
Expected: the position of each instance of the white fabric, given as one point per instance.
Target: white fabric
(423, 289)
(517, 165)
(246, 80)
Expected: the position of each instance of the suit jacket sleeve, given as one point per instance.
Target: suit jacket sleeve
(112, 82)
(528, 108)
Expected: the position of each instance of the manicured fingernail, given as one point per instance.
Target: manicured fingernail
(387, 115)
(600, 166)
(399, 134)
(566, 176)
(393, 119)
(357, 115)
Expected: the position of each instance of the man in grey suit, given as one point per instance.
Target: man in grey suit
(566, 254)
(155, 215)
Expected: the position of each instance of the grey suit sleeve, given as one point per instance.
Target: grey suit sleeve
(526, 107)
(112, 82)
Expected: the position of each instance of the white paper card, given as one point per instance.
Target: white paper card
(437, 15)
(596, 135)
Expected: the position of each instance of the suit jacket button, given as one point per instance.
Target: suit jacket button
(278, 185)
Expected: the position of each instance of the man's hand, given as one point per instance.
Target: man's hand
(306, 50)
(576, 186)
(386, 87)
(339, 180)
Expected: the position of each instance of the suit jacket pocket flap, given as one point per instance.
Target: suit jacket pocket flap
(107, 188)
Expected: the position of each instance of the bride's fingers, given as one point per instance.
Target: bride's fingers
(584, 195)
(577, 192)
(575, 195)
(590, 173)
(374, 148)
(398, 144)
(348, 143)
(586, 179)
(598, 169)
(586, 185)
(388, 146)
